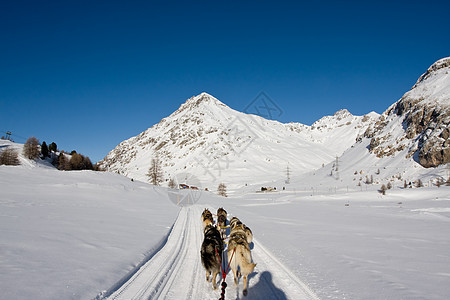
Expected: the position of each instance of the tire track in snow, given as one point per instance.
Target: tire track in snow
(176, 272)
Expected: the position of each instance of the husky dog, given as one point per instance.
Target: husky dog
(239, 254)
(207, 218)
(234, 222)
(211, 259)
(222, 221)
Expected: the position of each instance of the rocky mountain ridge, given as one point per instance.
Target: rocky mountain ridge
(419, 121)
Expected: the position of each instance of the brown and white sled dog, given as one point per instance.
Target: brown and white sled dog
(222, 221)
(234, 222)
(207, 218)
(211, 260)
(239, 254)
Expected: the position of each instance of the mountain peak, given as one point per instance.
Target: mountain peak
(202, 100)
(342, 113)
(438, 65)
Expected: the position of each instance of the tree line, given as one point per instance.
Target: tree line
(33, 150)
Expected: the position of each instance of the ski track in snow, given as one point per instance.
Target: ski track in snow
(176, 272)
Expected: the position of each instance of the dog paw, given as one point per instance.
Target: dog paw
(245, 292)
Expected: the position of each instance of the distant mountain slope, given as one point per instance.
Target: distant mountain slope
(215, 143)
(419, 121)
(206, 142)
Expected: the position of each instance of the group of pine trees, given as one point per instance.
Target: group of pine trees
(74, 161)
(33, 150)
(384, 188)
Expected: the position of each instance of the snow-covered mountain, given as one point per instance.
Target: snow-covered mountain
(419, 122)
(407, 143)
(208, 142)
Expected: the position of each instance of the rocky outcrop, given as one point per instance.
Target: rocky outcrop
(423, 115)
(434, 143)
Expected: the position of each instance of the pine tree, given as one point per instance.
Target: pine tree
(9, 157)
(155, 172)
(383, 189)
(172, 183)
(87, 164)
(31, 148)
(76, 162)
(63, 164)
(44, 150)
(222, 190)
(52, 147)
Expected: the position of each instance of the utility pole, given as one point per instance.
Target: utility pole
(337, 167)
(288, 175)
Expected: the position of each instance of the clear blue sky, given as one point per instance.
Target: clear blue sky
(90, 74)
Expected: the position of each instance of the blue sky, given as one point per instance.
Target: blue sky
(90, 74)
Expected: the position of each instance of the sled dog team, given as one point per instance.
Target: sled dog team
(238, 253)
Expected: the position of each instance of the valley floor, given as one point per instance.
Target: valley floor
(82, 235)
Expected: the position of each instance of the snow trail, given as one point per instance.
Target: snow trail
(176, 272)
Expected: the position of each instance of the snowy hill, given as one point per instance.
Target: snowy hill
(206, 142)
(408, 142)
(214, 143)
(419, 122)
(79, 234)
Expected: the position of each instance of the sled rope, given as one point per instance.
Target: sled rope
(224, 273)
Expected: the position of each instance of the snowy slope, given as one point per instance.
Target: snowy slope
(215, 143)
(80, 234)
(419, 122)
(67, 235)
(211, 143)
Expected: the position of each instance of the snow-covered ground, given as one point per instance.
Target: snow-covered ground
(73, 235)
(67, 235)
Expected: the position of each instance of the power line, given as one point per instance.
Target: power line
(15, 136)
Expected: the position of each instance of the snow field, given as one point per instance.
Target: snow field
(176, 271)
(73, 235)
